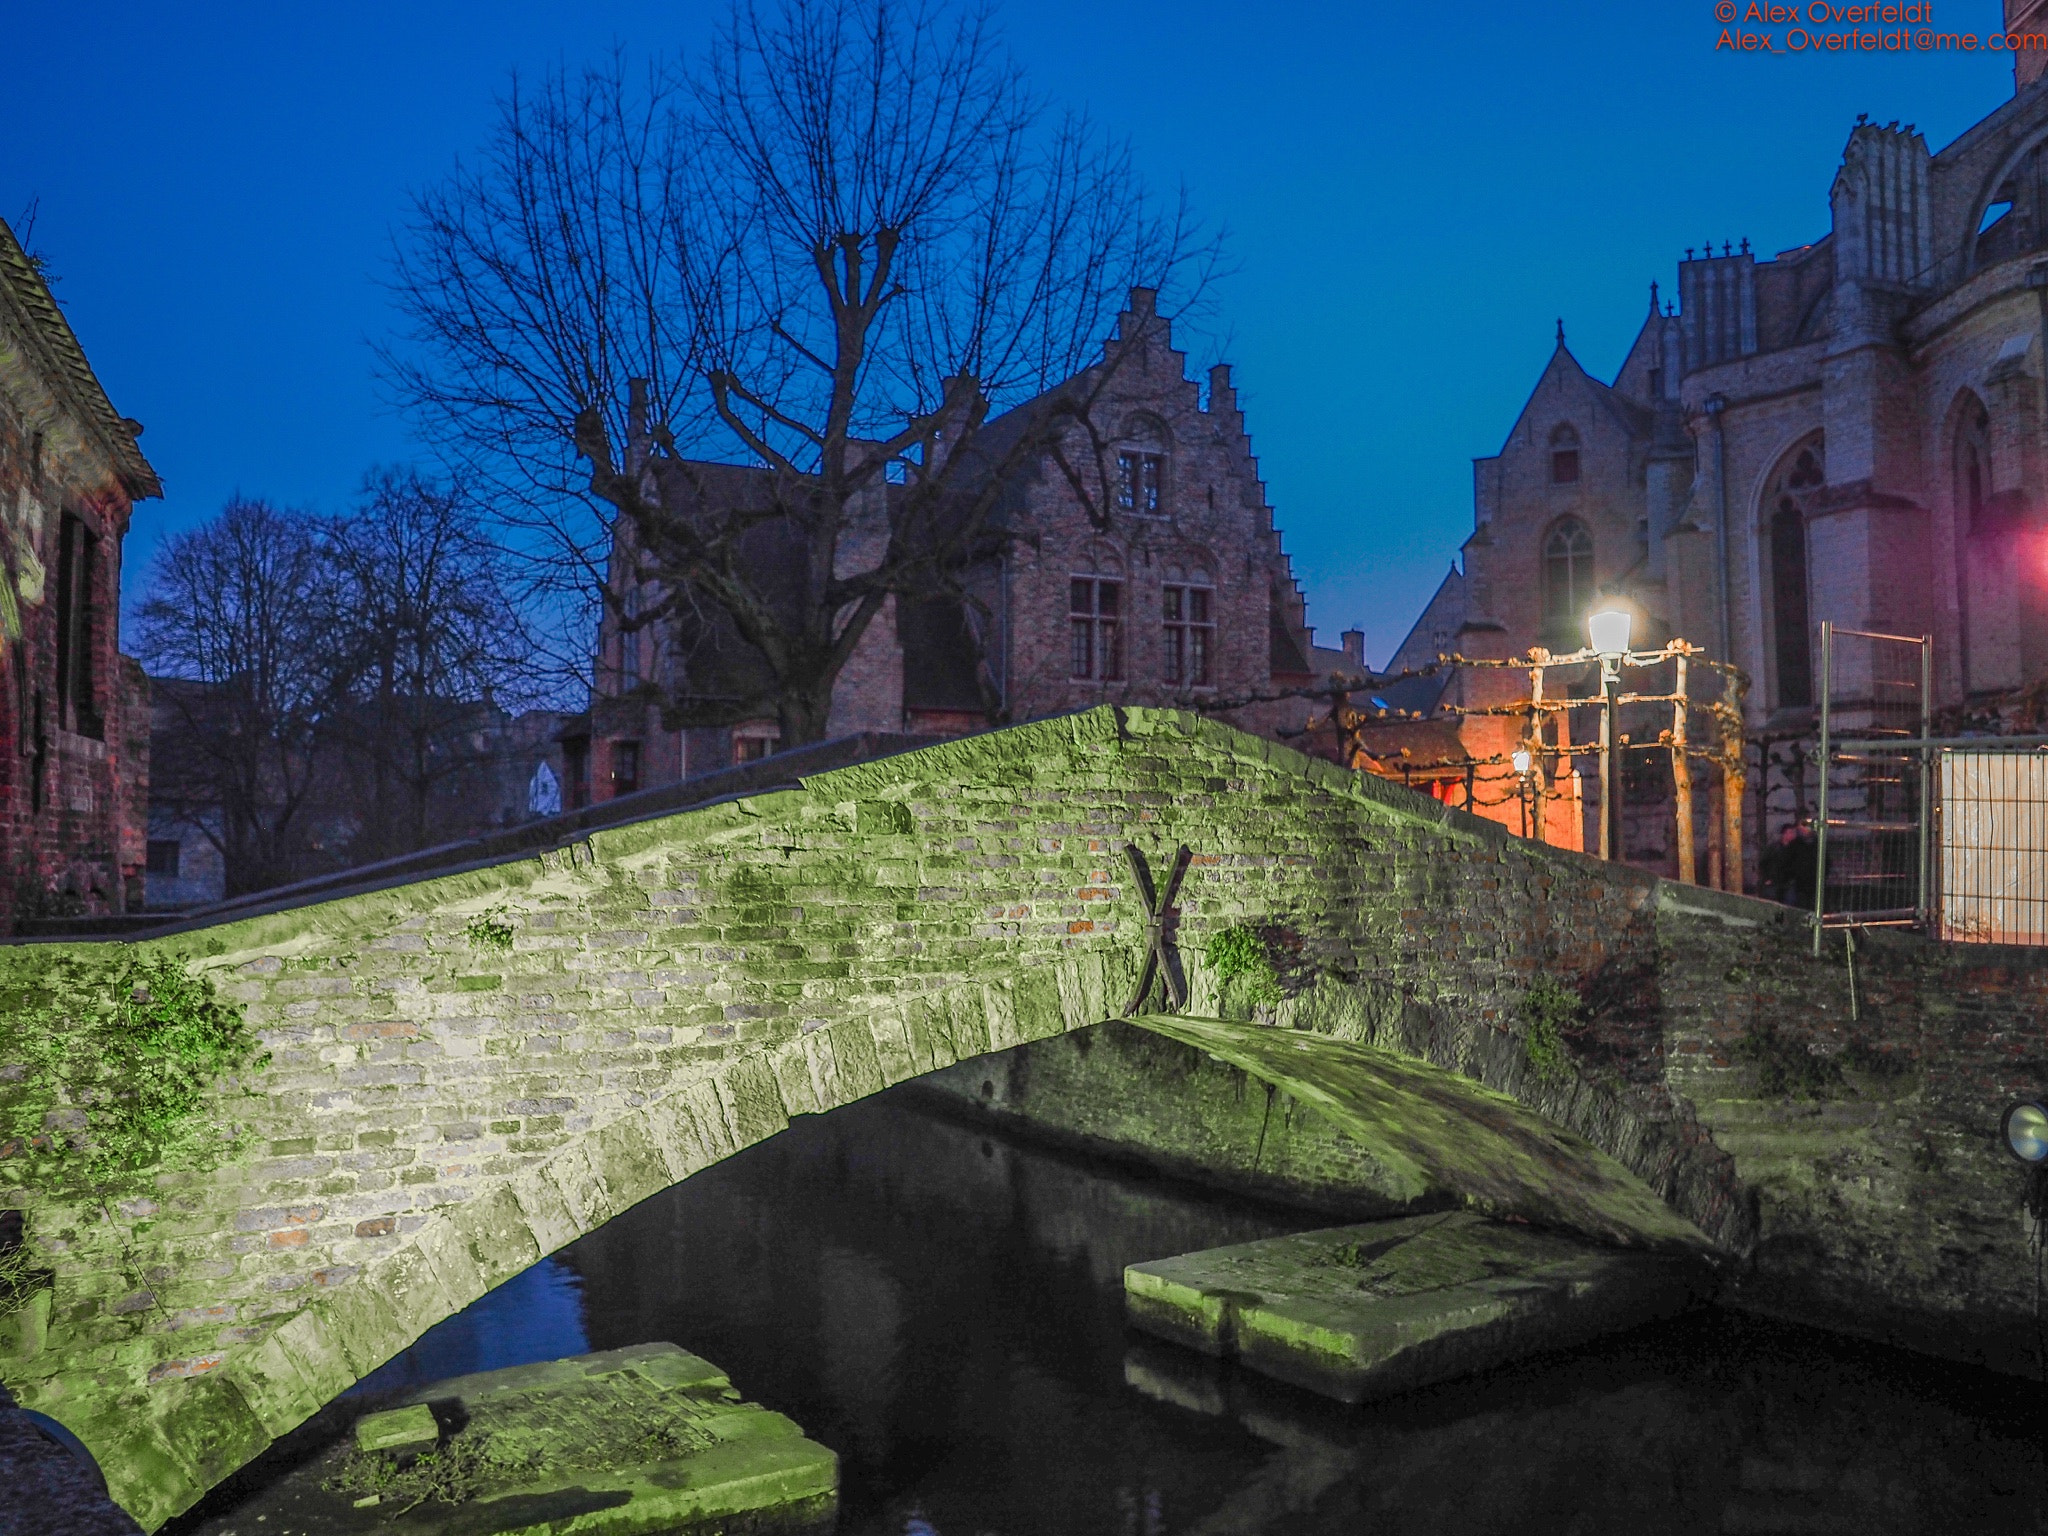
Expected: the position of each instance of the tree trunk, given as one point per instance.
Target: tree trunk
(804, 713)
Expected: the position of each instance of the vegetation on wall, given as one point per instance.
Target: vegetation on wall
(1239, 954)
(1550, 1011)
(108, 1066)
(490, 930)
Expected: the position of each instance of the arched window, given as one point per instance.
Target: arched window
(1803, 471)
(1973, 464)
(1567, 579)
(1564, 455)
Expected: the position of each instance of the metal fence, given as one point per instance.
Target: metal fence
(1873, 791)
(1992, 845)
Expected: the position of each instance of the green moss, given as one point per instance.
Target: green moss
(1239, 953)
(108, 1064)
(490, 930)
(1550, 1011)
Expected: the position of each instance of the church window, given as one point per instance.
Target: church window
(1189, 613)
(1973, 465)
(1095, 628)
(1791, 601)
(1564, 456)
(1567, 578)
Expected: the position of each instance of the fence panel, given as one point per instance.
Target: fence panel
(1872, 789)
(1993, 846)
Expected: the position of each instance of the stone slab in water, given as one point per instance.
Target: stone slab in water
(627, 1442)
(1371, 1311)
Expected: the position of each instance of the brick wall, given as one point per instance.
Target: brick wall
(439, 1115)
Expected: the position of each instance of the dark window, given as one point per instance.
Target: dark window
(163, 856)
(1788, 602)
(77, 565)
(1567, 580)
(1140, 481)
(753, 746)
(1564, 456)
(575, 772)
(1791, 609)
(625, 767)
(1190, 635)
(629, 643)
(1973, 466)
(1094, 615)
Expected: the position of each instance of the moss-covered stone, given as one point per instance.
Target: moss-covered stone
(1376, 1310)
(628, 1442)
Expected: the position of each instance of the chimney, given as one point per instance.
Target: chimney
(1354, 647)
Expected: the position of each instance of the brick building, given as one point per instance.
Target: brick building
(1851, 430)
(74, 713)
(1187, 596)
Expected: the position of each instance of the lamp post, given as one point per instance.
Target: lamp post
(1608, 632)
(1520, 758)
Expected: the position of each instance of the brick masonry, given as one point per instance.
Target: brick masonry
(439, 1116)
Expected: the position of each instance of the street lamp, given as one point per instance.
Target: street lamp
(1608, 632)
(2024, 1130)
(1521, 759)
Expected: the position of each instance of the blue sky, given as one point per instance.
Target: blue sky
(1415, 193)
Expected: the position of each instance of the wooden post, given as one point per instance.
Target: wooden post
(1735, 781)
(1681, 780)
(1539, 775)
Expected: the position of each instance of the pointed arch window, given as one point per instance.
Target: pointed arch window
(1564, 455)
(1973, 465)
(1791, 605)
(1567, 577)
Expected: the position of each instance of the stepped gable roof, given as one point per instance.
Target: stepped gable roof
(61, 361)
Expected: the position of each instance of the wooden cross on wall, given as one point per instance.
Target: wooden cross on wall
(1162, 958)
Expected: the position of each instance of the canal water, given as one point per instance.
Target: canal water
(943, 1307)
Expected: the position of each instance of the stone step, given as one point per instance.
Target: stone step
(1371, 1311)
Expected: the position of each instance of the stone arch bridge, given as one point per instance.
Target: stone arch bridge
(443, 1109)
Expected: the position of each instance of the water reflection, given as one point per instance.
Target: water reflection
(944, 1309)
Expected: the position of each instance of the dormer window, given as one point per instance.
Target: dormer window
(1564, 456)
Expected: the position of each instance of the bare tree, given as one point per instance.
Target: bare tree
(426, 644)
(835, 251)
(237, 618)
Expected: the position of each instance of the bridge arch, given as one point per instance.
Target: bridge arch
(472, 1070)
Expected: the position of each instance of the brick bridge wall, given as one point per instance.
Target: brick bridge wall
(439, 1115)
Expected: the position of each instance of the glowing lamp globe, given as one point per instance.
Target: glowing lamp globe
(1608, 630)
(1520, 758)
(2024, 1129)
